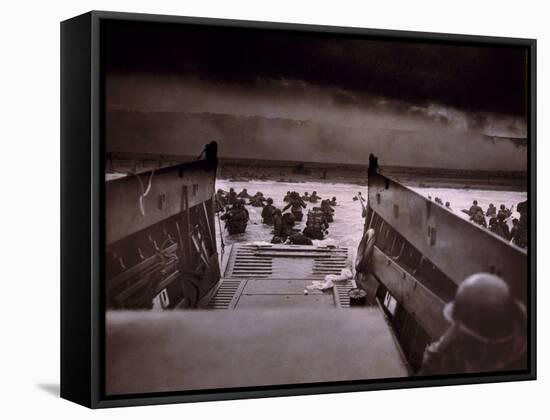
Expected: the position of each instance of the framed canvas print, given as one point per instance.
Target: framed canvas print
(255, 209)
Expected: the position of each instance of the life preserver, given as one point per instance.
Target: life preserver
(364, 251)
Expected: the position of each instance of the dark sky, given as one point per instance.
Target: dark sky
(266, 94)
(487, 79)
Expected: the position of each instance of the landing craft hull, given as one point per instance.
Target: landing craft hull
(163, 254)
(160, 237)
(421, 254)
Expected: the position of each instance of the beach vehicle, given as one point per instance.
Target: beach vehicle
(161, 255)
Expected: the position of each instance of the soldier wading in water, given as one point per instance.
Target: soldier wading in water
(316, 225)
(257, 200)
(283, 227)
(296, 204)
(267, 212)
(236, 218)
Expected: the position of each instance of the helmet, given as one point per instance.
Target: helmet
(289, 218)
(484, 308)
(269, 200)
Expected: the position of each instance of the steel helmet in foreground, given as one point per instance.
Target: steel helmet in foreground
(485, 309)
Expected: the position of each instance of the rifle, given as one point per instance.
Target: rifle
(362, 201)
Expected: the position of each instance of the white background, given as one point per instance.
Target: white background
(29, 188)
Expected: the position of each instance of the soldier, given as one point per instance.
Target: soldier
(283, 227)
(333, 202)
(286, 199)
(296, 204)
(277, 216)
(327, 210)
(518, 234)
(504, 211)
(257, 200)
(314, 229)
(232, 197)
(448, 206)
(299, 239)
(478, 218)
(515, 228)
(220, 200)
(522, 210)
(314, 197)
(316, 224)
(503, 229)
(362, 199)
(493, 226)
(487, 332)
(475, 209)
(491, 211)
(520, 238)
(439, 201)
(288, 224)
(305, 197)
(267, 212)
(243, 194)
(498, 226)
(236, 218)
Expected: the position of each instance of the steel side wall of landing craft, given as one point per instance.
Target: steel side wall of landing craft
(456, 246)
(172, 191)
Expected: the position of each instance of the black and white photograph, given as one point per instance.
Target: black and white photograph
(275, 210)
(292, 206)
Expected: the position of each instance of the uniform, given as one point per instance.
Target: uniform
(487, 333)
(236, 219)
(296, 204)
(267, 212)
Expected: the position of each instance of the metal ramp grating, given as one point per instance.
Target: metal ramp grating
(248, 264)
(276, 276)
(341, 293)
(225, 295)
(332, 263)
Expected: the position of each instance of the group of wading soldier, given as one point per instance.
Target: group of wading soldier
(236, 216)
(498, 221)
(487, 325)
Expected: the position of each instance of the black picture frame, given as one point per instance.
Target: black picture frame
(82, 216)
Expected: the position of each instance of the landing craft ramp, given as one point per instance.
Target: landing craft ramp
(177, 320)
(277, 276)
(257, 327)
(205, 349)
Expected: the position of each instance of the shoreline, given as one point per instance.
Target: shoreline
(242, 170)
(421, 182)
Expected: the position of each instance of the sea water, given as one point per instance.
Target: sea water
(347, 228)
